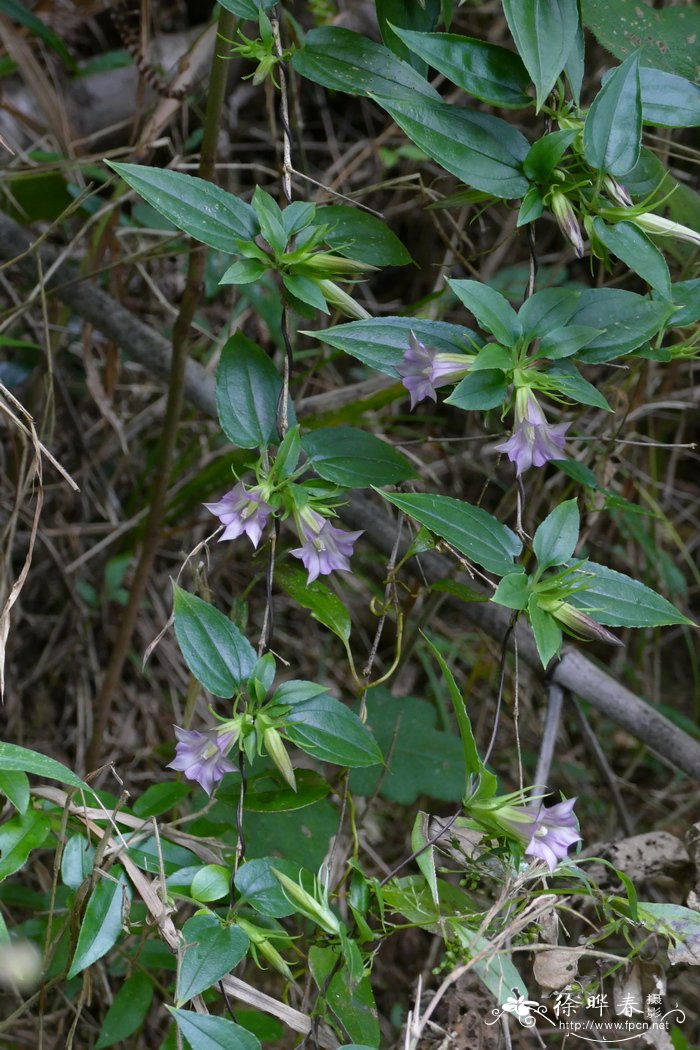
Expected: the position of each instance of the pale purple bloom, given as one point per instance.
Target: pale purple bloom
(567, 221)
(534, 441)
(202, 756)
(548, 830)
(325, 548)
(241, 510)
(423, 369)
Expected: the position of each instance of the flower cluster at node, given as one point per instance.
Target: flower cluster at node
(423, 369)
(534, 441)
(241, 510)
(202, 756)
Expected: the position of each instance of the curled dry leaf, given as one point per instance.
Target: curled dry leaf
(555, 969)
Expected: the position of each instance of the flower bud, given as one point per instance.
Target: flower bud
(567, 221)
(616, 192)
(344, 302)
(260, 942)
(308, 905)
(578, 623)
(334, 265)
(661, 227)
(278, 753)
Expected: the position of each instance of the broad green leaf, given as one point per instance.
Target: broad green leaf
(490, 73)
(483, 151)
(382, 343)
(205, 1032)
(420, 836)
(14, 784)
(16, 758)
(612, 134)
(532, 206)
(345, 61)
(76, 861)
(350, 999)
(616, 600)
(493, 355)
(627, 321)
(664, 37)
(159, 798)
(548, 635)
(247, 8)
(211, 883)
(497, 973)
(545, 154)
(197, 207)
(492, 310)
(556, 537)
(686, 295)
(396, 15)
(248, 387)
(630, 244)
(269, 216)
(479, 390)
(244, 271)
(260, 889)
(564, 342)
(669, 101)
(318, 598)
(331, 732)
(421, 760)
(302, 836)
(472, 531)
(269, 794)
(215, 651)
(411, 897)
(358, 235)
(513, 591)
(547, 310)
(575, 65)
(307, 291)
(102, 921)
(128, 1010)
(355, 459)
(211, 950)
(571, 383)
(18, 837)
(544, 32)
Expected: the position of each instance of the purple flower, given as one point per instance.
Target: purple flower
(241, 510)
(325, 548)
(567, 221)
(423, 369)
(202, 756)
(548, 830)
(534, 441)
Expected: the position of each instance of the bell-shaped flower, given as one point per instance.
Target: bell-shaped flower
(534, 441)
(324, 548)
(423, 369)
(241, 510)
(548, 831)
(202, 756)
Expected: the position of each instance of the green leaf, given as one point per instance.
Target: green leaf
(19, 12)
(490, 73)
(15, 786)
(215, 651)
(575, 65)
(18, 837)
(421, 760)
(616, 600)
(345, 61)
(247, 8)
(481, 150)
(16, 758)
(318, 598)
(571, 383)
(244, 271)
(102, 921)
(627, 321)
(382, 343)
(686, 295)
(355, 459)
(331, 732)
(472, 531)
(358, 235)
(612, 134)
(493, 355)
(270, 218)
(637, 251)
(247, 391)
(303, 836)
(270, 794)
(205, 1032)
(472, 761)
(546, 310)
(128, 1010)
(420, 836)
(159, 798)
(306, 290)
(513, 591)
(663, 37)
(260, 889)
(563, 342)
(669, 101)
(546, 630)
(211, 883)
(396, 15)
(492, 310)
(210, 952)
(557, 536)
(545, 154)
(197, 207)
(532, 206)
(680, 925)
(351, 1000)
(544, 31)
(479, 390)
(497, 972)
(77, 861)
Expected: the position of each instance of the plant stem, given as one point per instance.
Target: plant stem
(173, 411)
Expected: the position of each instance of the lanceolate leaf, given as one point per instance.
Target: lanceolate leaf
(612, 134)
(195, 206)
(102, 922)
(331, 732)
(492, 310)
(636, 250)
(382, 343)
(627, 321)
(556, 537)
(668, 100)
(318, 598)
(544, 32)
(247, 391)
(490, 73)
(128, 1010)
(472, 531)
(18, 837)
(14, 757)
(396, 15)
(216, 652)
(206, 1032)
(359, 235)
(354, 458)
(616, 600)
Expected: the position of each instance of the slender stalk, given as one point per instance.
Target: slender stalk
(173, 411)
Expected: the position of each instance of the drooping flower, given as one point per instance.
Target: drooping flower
(423, 369)
(325, 548)
(534, 441)
(578, 623)
(241, 510)
(202, 756)
(661, 227)
(549, 831)
(566, 219)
